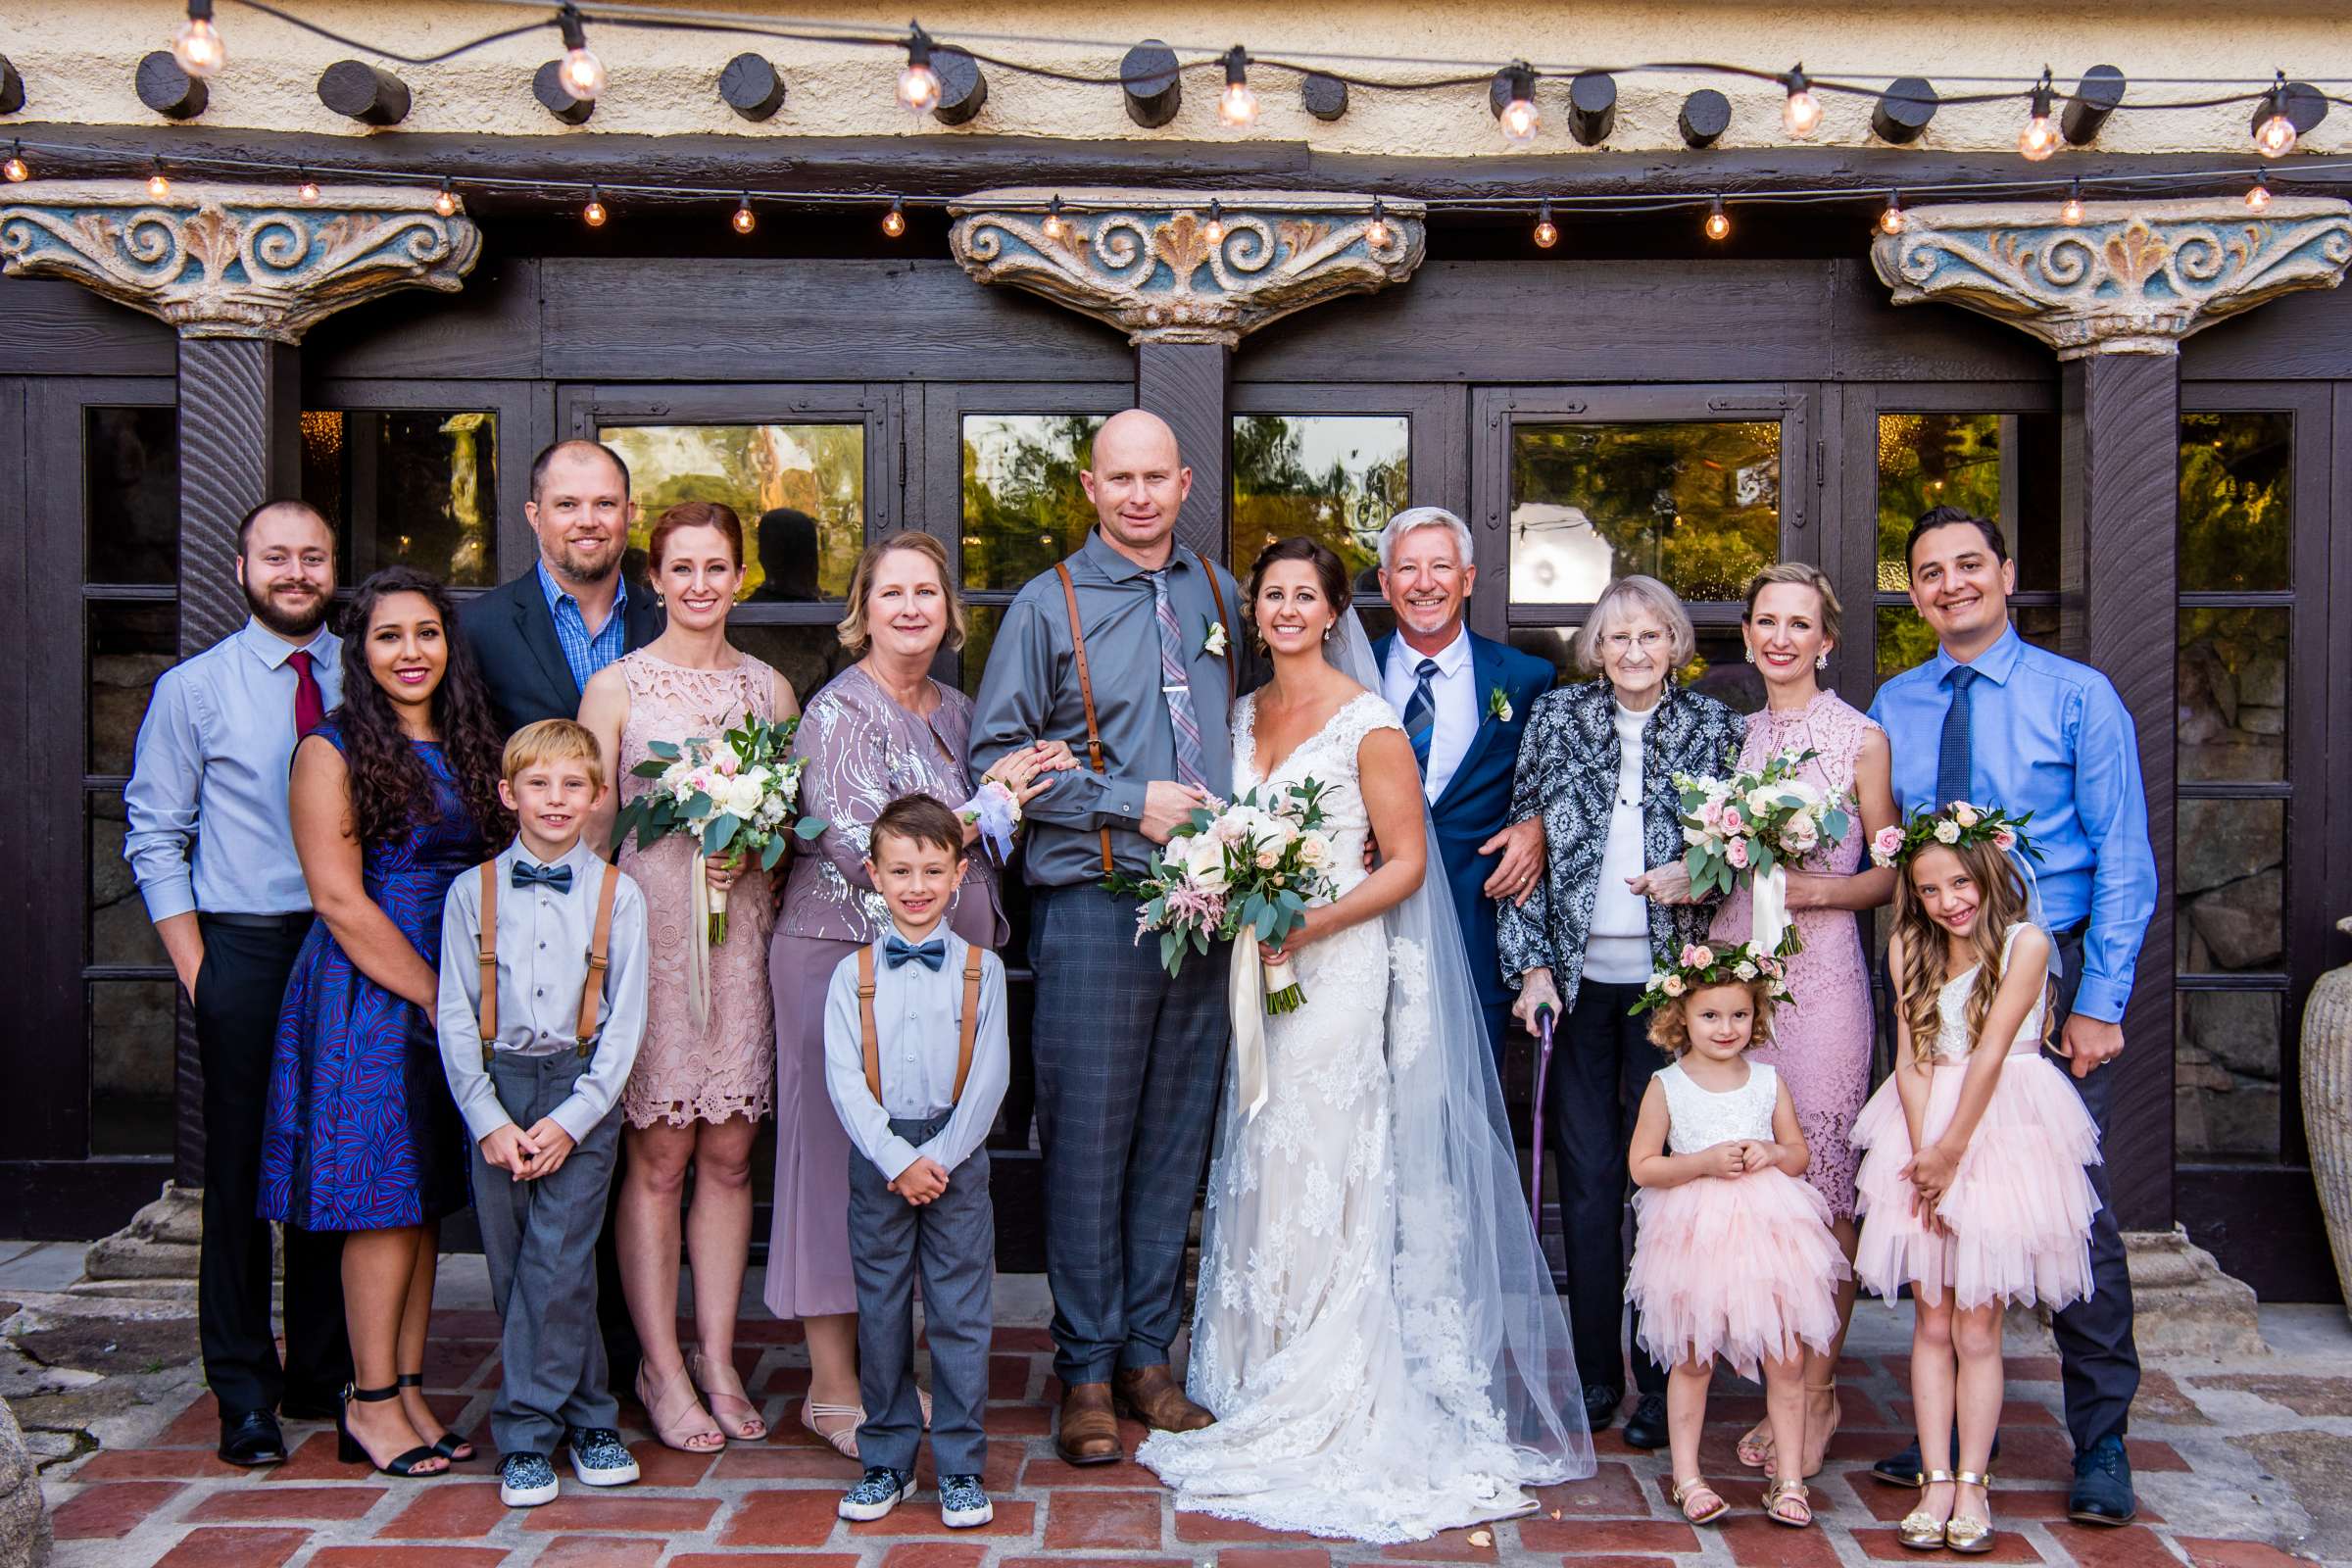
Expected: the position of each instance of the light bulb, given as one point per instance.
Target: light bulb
(918, 83)
(581, 74)
(1237, 106)
(1214, 232)
(197, 46)
(1547, 232)
(2039, 138)
(743, 221)
(2071, 213)
(445, 201)
(594, 214)
(308, 191)
(1520, 118)
(2258, 194)
(1801, 114)
(1054, 226)
(1892, 220)
(15, 167)
(1719, 222)
(894, 222)
(159, 185)
(1376, 232)
(2274, 136)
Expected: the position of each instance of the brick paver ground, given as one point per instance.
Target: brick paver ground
(2212, 1496)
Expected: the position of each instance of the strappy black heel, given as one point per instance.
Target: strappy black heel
(449, 1443)
(351, 1451)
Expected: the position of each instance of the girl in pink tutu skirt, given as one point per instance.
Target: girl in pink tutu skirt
(1972, 1188)
(1733, 1256)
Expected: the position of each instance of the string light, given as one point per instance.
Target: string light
(1054, 226)
(159, 184)
(1892, 220)
(2071, 213)
(894, 222)
(1801, 114)
(594, 214)
(15, 169)
(2274, 136)
(918, 83)
(582, 74)
(1719, 222)
(2258, 194)
(1520, 118)
(307, 190)
(1237, 106)
(743, 221)
(445, 201)
(1376, 232)
(1215, 231)
(197, 46)
(1547, 232)
(2039, 138)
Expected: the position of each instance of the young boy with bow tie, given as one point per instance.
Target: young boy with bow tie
(917, 1062)
(543, 974)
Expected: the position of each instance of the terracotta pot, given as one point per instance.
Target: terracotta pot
(2327, 1105)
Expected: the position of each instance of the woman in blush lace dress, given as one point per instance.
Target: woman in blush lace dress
(1821, 1045)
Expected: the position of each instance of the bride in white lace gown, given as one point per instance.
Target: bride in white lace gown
(1375, 1329)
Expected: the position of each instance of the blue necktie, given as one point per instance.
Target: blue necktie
(897, 951)
(525, 874)
(1421, 712)
(1951, 753)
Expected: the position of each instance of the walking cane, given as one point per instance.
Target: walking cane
(1535, 1192)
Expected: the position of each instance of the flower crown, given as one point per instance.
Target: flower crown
(1702, 965)
(1955, 826)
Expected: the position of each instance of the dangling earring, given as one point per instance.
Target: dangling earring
(1748, 654)
(1821, 661)
(1328, 630)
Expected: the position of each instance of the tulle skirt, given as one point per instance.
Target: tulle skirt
(2019, 1208)
(1745, 1268)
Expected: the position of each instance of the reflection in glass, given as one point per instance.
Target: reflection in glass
(805, 655)
(406, 488)
(1904, 640)
(2229, 874)
(1335, 478)
(2236, 502)
(119, 930)
(1720, 671)
(1023, 505)
(799, 489)
(132, 1030)
(2226, 1067)
(129, 644)
(980, 623)
(2000, 467)
(1694, 505)
(131, 495)
(2232, 680)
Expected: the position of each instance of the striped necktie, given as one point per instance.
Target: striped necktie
(1177, 687)
(1421, 711)
(1952, 750)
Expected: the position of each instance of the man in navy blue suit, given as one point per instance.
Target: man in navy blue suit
(1465, 701)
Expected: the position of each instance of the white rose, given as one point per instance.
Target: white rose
(1965, 814)
(1657, 979)
(1314, 850)
(1947, 832)
(1204, 863)
(1765, 799)
(1744, 969)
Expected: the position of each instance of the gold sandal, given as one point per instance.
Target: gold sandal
(1971, 1537)
(1781, 1492)
(1754, 1449)
(1692, 1489)
(1919, 1530)
(719, 1381)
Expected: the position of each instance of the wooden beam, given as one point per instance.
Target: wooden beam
(1185, 384)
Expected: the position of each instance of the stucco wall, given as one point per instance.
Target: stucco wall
(77, 59)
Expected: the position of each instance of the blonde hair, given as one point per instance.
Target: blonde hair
(1926, 944)
(550, 741)
(1801, 574)
(1629, 596)
(1669, 1029)
(852, 628)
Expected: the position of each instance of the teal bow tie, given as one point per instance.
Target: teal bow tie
(932, 955)
(525, 874)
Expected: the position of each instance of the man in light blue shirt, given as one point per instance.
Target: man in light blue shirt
(1994, 720)
(215, 860)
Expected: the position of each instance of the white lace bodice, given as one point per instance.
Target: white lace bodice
(1697, 1119)
(1951, 1010)
(1327, 757)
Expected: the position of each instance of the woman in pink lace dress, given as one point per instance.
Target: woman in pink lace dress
(706, 1070)
(1822, 1041)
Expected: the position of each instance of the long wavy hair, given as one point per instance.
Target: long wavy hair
(2001, 904)
(387, 777)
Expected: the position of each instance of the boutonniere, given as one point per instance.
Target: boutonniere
(1498, 706)
(1212, 637)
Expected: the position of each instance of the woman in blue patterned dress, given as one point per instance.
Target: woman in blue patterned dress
(394, 796)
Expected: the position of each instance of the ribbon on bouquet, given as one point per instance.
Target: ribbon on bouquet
(705, 903)
(1245, 994)
(1768, 906)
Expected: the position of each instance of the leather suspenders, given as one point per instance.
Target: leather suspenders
(872, 1038)
(600, 944)
(1086, 680)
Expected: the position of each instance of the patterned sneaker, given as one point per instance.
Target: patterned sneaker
(525, 1479)
(962, 1505)
(600, 1459)
(882, 1490)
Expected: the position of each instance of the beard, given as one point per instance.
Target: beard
(283, 622)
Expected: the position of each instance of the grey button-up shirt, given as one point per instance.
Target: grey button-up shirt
(543, 940)
(918, 1039)
(1031, 693)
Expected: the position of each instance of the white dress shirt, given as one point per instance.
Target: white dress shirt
(543, 938)
(1453, 690)
(1617, 952)
(918, 1025)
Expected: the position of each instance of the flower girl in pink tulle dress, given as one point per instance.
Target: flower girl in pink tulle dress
(1735, 1256)
(1972, 1188)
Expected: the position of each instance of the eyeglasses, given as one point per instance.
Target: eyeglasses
(1617, 642)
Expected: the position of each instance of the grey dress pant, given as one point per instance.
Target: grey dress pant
(950, 1245)
(539, 1239)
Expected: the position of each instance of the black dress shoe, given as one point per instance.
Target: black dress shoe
(2102, 1489)
(251, 1440)
(1903, 1469)
(1600, 1405)
(1646, 1428)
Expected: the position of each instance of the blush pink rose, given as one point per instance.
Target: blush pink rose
(1735, 852)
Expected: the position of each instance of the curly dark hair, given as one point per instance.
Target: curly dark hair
(387, 777)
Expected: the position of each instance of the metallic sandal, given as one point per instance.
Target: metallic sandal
(1781, 1492)
(1971, 1537)
(1694, 1486)
(1919, 1530)
(843, 1438)
(1754, 1449)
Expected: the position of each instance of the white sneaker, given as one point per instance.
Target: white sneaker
(525, 1479)
(881, 1490)
(600, 1459)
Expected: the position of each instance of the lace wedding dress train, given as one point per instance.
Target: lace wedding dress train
(1383, 1365)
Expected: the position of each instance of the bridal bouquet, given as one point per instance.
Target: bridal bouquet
(1249, 870)
(735, 794)
(1749, 827)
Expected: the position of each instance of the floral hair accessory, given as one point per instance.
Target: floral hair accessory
(1715, 963)
(1958, 824)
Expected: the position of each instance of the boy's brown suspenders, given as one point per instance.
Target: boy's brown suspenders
(872, 1039)
(600, 944)
(1086, 680)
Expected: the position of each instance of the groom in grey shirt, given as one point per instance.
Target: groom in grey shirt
(1127, 650)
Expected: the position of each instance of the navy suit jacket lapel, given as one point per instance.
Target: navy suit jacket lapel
(1486, 676)
(537, 627)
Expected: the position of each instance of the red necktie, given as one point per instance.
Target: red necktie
(310, 703)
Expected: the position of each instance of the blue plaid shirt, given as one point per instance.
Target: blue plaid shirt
(586, 655)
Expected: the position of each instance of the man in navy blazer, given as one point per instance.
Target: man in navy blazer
(1465, 701)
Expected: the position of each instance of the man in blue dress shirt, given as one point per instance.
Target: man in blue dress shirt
(1995, 721)
(208, 845)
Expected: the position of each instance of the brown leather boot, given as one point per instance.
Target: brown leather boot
(1151, 1395)
(1089, 1432)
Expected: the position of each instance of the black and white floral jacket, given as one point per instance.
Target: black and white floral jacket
(1568, 771)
